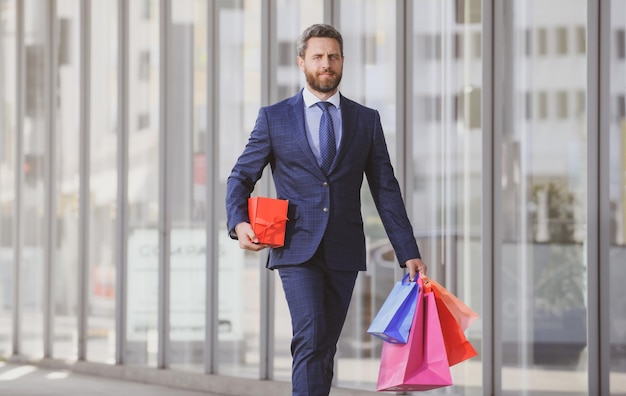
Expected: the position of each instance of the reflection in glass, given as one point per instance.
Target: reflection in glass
(543, 193)
(617, 195)
(142, 338)
(239, 93)
(103, 155)
(445, 173)
(7, 171)
(33, 214)
(65, 263)
(186, 180)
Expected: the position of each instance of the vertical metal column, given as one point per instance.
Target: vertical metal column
(269, 51)
(598, 210)
(603, 172)
(84, 118)
(122, 183)
(50, 179)
(268, 95)
(211, 356)
(164, 220)
(593, 184)
(404, 85)
(19, 175)
(491, 198)
(329, 12)
(404, 100)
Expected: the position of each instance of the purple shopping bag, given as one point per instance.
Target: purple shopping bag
(393, 320)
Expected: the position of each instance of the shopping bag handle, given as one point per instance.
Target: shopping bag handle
(427, 285)
(405, 278)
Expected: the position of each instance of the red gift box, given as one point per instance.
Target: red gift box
(268, 218)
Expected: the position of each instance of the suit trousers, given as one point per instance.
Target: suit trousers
(318, 299)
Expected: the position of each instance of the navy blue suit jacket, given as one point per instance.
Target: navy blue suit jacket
(320, 206)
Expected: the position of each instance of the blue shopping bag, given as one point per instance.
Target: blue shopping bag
(393, 322)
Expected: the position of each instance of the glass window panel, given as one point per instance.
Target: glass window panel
(33, 217)
(468, 11)
(103, 155)
(581, 105)
(581, 40)
(542, 40)
(445, 161)
(529, 42)
(300, 14)
(186, 151)
(542, 102)
(617, 196)
(369, 34)
(621, 106)
(239, 97)
(542, 260)
(529, 105)
(562, 105)
(477, 44)
(142, 336)
(620, 43)
(65, 264)
(561, 40)
(7, 171)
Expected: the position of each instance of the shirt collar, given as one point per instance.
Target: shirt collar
(311, 100)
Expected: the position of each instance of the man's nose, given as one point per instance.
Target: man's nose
(325, 61)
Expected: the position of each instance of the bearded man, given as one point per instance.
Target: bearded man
(319, 144)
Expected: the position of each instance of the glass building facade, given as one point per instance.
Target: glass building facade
(121, 120)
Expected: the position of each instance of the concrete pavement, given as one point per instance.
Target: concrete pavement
(29, 380)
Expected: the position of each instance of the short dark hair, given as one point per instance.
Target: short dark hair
(318, 30)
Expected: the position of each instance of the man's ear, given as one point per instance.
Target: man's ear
(300, 62)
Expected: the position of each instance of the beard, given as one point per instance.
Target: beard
(329, 84)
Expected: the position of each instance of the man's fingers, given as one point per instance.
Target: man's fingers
(252, 238)
(422, 269)
(416, 266)
(251, 242)
(247, 238)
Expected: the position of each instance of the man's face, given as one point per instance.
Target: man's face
(322, 65)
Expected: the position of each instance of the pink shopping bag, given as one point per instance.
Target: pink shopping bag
(421, 363)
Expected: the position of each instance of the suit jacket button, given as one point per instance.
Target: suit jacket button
(325, 209)
(325, 184)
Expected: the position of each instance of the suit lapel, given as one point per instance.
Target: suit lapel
(296, 113)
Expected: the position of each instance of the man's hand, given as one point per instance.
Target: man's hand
(247, 238)
(414, 266)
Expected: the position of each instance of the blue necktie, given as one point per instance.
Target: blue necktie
(328, 144)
